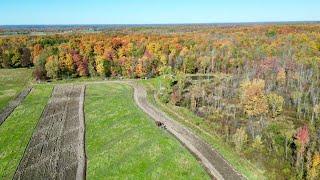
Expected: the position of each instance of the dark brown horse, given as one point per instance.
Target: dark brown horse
(160, 124)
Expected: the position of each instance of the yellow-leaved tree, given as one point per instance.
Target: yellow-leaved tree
(253, 101)
(275, 102)
(103, 66)
(253, 98)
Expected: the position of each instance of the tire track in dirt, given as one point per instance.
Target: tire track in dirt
(213, 162)
(56, 149)
(5, 113)
(216, 166)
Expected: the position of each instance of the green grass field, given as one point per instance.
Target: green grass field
(202, 129)
(17, 130)
(122, 142)
(12, 81)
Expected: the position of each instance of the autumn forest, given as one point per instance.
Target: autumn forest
(255, 86)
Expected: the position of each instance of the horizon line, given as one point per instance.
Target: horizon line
(188, 23)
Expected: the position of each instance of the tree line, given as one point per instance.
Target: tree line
(262, 97)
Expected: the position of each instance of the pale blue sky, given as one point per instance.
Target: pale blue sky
(14, 12)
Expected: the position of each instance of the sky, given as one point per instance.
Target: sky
(17, 12)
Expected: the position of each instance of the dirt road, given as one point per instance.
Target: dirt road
(56, 149)
(214, 163)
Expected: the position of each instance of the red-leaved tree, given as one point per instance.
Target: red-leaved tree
(302, 140)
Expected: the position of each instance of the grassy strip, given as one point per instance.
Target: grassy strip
(17, 130)
(12, 81)
(196, 124)
(122, 142)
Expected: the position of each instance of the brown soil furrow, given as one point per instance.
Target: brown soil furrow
(45, 159)
(56, 149)
(5, 113)
(52, 139)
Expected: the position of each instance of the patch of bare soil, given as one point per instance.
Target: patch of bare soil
(56, 149)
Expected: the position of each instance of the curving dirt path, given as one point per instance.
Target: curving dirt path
(5, 113)
(56, 149)
(214, 163)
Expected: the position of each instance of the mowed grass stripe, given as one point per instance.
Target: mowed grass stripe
(17, 130)
(122, 142)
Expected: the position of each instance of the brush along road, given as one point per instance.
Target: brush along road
(214, 163)
(56, 149)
